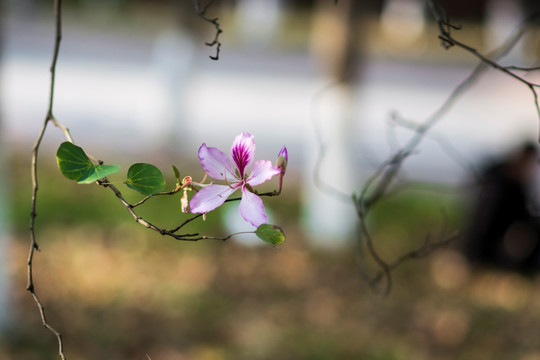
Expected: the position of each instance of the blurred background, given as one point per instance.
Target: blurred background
(135, 84)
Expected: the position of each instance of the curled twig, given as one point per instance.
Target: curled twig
(214, 21)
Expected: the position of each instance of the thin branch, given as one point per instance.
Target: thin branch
(172, 232)
(388, 170)
(449, 149)
(164, 232)
(148, 197)
(213, 21)
(149, 225)
(520, 68)
(449, 41)
(385, 269)
(64, 129)
(378, 184)
(35, 151)
(427, 248)
(185, 223)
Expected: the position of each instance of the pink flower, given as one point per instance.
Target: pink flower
(217, 165)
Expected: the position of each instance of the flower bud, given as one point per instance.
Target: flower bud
(186, 181)
(281, 162)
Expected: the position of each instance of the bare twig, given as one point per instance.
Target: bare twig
(521, 68)
(172, 232)
(427, 248)
(148, 197)
(385, 270)
(449, 41)
(385, 175)
(214, 21)
(377, 185)
(449, 149)
(387, 171)
(48, 118)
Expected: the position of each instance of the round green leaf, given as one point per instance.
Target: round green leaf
(75, 165)
(145, 178)
(72, 161)
(271, 234)
(98, 172)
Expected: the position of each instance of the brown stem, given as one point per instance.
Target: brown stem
(35, 150)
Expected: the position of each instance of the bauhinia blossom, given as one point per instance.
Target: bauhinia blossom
(219, 166)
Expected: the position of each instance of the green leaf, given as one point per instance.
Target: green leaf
(145, 178)
(98, 172)
(271, 234)
(75, 165)
(177, 174)
(72, 161)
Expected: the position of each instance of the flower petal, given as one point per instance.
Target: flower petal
(216, 163)
(252, 208)
(243, 152)
(263, 170)
(210, 197)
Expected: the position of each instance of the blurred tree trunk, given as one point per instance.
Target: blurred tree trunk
(338, 38)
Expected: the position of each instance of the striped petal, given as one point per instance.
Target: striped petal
(243, 152)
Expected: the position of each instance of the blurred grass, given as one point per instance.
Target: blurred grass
(118, 291)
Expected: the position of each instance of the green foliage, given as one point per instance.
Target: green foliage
(271, 234)
(72, 161)
(98, 172)
(75, 165)
(177, 174)
(145, 178)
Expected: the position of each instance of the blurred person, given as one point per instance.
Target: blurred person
(502, 230)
